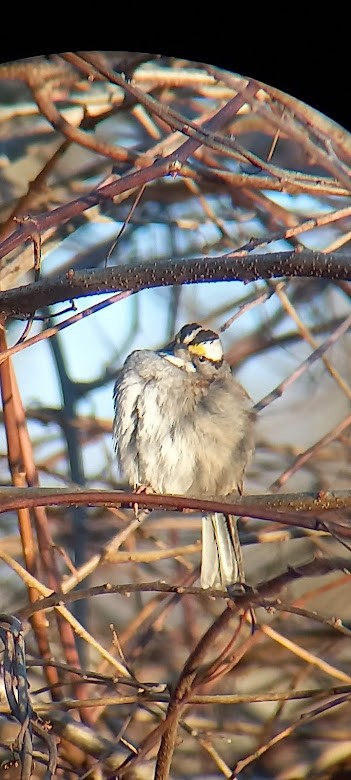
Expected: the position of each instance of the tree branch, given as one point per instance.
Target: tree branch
(297, 509)
(171, 164)
(26, 299)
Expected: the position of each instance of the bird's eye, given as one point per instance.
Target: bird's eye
(202, 359)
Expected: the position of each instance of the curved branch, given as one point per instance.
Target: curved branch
(304, 510)
(26, 299)
(261, 595)
(74, 134)
(171, 164)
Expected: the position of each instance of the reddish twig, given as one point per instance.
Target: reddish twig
(304, 510)
(172, 163)
(41, 94)
(46, 546)
(16, 464)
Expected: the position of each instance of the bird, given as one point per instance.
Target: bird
(183, 425)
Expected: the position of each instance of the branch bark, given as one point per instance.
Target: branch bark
(169, 165)
(302, 510)
(26, 299)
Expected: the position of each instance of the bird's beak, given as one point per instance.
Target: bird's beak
(176, 354)
(168, 352)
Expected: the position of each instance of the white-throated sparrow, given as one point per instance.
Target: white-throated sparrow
(184, 425)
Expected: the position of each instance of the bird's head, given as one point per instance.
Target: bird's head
(195, 349)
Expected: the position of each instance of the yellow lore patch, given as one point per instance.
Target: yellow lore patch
(212, 350)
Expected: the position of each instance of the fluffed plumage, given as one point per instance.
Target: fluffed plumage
(184, 425)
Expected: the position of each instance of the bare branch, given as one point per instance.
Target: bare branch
(229, 267)
(228, 168)
(298, 509)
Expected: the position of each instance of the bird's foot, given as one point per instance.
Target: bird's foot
(141, 489)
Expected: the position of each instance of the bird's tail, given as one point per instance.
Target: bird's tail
(221, 552)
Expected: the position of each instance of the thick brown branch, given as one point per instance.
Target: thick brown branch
(234, 267)
(297, 509)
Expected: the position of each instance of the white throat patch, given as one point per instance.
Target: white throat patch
(177, 361)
